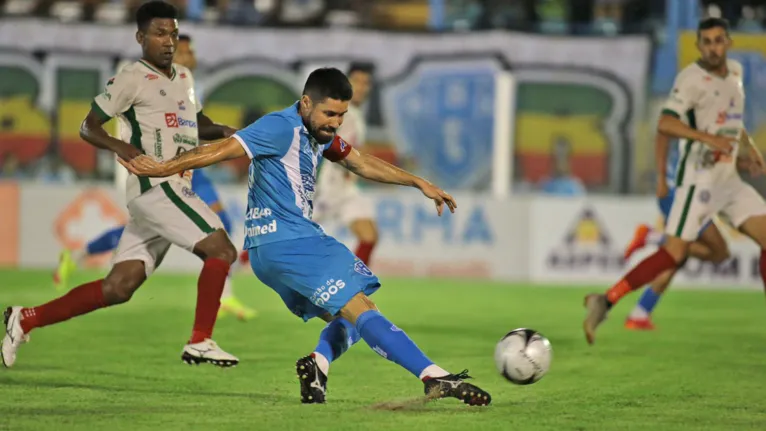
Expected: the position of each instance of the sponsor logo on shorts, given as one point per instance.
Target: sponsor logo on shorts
(189, 193)
(186, 123)
(324, 293)
(361, 268)
(185, 140)
(171, 119)
(264, 229)
(257, 213)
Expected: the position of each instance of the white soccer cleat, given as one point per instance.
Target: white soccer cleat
(208, 351)
(14, 336)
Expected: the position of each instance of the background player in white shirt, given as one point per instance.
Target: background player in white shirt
(337, 194)
(705, 111)
(155, 100)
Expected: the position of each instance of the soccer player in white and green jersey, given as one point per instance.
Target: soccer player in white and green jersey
(705, 111)
(155, 102)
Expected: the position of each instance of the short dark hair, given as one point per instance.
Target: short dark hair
(154, 9)
(358, 66)
(708, 23)
(328, 82)
(184, 38)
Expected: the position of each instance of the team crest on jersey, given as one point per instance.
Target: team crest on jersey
(444, 110)
(189, 193)
(163, 93)
(151, 77)
(361, 268)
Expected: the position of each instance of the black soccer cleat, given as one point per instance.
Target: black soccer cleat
(454, 386)
(313, 381)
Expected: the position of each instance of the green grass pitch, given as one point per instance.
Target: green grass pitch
(120, 368)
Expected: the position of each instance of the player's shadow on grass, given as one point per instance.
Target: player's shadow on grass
(96, 387)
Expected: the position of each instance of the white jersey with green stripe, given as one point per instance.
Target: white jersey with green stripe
(156, 113)
(712, 104)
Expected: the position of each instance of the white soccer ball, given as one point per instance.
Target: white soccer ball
(523, 356)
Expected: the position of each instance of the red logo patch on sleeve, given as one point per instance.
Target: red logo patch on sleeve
(171, 120)
(151, 76)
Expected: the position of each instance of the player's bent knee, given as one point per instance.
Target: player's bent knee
(720, 255)
(123, 280)
(217, 245)
(357, 306)
(677, 248)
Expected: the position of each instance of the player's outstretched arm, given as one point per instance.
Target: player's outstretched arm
(374, 169)
(92, 131)
(196, 158)
(210, 131)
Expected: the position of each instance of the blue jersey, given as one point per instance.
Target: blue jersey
(284, 160)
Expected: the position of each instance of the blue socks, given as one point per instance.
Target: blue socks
(645, 305)
(106, 242)
(391, 342)
(336, 338)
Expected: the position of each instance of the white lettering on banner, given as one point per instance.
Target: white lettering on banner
(261, 230)
(590, 250)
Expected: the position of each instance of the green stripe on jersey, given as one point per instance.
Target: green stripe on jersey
(100, 112)
(685, 212)
(135, 140)
(186, 209)
(692, 119)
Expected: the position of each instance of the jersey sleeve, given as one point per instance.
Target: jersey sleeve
(683, 96)
(336, 150)
(117, 97)
(270, 136)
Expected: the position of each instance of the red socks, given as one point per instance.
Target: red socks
(642, 274)
(80, 300)
(209, 290)
(364, 251)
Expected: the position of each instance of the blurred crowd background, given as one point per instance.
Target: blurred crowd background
(604, 144)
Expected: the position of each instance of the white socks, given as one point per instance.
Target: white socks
(432, 371)
(322, 363)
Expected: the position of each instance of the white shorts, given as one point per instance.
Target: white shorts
(169, 213)
(338, 197)
(695, 204)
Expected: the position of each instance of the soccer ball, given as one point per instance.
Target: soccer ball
(523, 356)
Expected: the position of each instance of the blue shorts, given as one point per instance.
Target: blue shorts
(203, 187)
(666, 204)
(314, 275)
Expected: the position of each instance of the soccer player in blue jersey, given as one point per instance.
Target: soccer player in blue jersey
(201, 185)
(710, 245)
(315, 275)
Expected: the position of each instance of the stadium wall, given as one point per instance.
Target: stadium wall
(543, 240)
